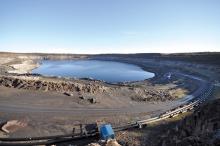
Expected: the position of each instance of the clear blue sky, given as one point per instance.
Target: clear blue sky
(109, 26)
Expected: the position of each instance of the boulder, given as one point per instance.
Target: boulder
(8, 83)
(16, 83)
(112, 142)
(68, 93)
(91, 99)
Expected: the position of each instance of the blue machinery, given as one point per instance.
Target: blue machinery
(106, 132)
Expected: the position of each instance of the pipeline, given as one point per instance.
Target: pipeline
(56, 140)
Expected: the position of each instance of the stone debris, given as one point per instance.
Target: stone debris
(71, 87)
(66, 87)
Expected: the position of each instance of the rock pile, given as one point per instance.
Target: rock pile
(61, 86)
(71, 87)
(151, 95)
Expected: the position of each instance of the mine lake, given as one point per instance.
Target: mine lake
(108, 71)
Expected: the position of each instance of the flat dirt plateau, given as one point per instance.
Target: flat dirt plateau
(54, 105)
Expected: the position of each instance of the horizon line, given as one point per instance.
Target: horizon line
(57, 53)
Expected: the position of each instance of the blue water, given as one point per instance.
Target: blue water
(108, 71)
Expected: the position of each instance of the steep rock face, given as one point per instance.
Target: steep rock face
(200, 129)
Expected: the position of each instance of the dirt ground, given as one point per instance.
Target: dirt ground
(44, 110)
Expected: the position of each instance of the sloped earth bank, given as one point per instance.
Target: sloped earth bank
(201, 128)
(52, 105)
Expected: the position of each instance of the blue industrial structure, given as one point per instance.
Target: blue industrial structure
(106, 132)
